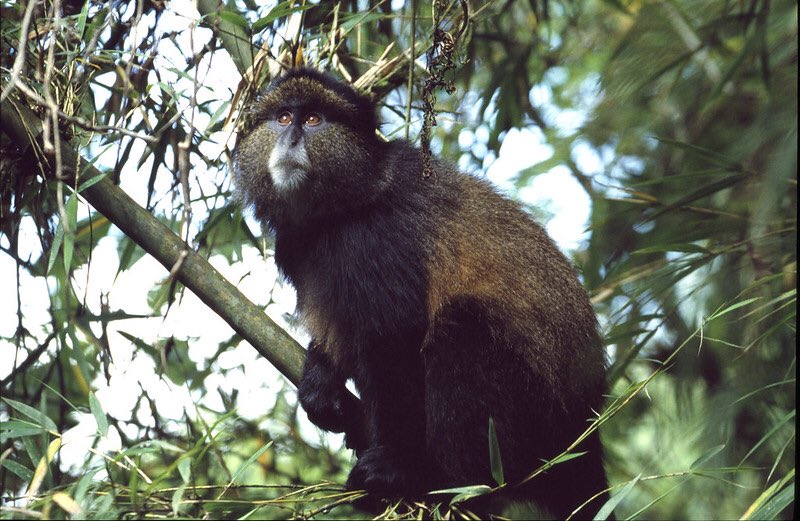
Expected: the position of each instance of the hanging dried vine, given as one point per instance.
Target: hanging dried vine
(440, 62)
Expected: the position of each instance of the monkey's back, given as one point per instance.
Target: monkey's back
(485, 248)
(511, 335)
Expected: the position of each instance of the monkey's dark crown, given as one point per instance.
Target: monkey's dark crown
(317, 90)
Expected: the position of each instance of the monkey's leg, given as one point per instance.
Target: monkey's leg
(390, 382)
(327, 402)
(475, 371)
(465, 385)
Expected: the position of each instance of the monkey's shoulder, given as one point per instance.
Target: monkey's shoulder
(456, 201)
(441, 186)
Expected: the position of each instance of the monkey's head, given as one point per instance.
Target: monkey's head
(308, 150)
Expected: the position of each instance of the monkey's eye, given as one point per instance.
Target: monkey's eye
(285, 118)
(313, 119)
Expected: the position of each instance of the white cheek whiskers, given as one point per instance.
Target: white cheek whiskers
(288, 168)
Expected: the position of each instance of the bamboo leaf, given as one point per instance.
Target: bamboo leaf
(82, 364)
(58, 238)
(234, 18)
(733, 307)
(713, 157)
(707, 456)
(65, 501)
(257, 454)
(608, 508)
(99, 415)
(747, 48)
(21, 471)
(80, 25)
(700, 193)
(69, 231)
(780, 423)
(133, 482)
(566, 457)
(680, 247)
(771, 499)
(495, 461)
(36, 415)
(177, 497)
(91, 182)
(18, 429)
(42, 466)
(464, 493)
(185, 469)
(773, 506)
(285, 8)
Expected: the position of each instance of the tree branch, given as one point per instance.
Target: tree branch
(247, 319)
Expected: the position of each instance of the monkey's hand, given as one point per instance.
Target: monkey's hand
(327, 402)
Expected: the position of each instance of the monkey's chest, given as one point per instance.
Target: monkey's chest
(363, 304)
(360, 313)
(358, 283)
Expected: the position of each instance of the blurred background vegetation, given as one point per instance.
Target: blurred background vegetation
(678, 118)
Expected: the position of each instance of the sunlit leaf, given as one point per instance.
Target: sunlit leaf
(608, 508)
(185, 469)
(68, 504)
(71, 209)
(773, 500)
(707, 456)
(58, 238)
(99, 415)
(234, 18)
(42, 466)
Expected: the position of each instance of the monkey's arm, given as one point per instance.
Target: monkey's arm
(327, 402)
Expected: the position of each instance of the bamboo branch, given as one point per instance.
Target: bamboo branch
(192, 270)
(25, 128)
(234, 38)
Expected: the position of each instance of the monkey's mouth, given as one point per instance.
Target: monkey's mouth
(287, 175)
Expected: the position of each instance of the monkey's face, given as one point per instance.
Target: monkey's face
(310, 151)
(288, 163)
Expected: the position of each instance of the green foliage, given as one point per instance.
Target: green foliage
(495, 460)
(686, 142)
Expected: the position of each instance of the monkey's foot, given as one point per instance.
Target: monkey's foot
(385, 473)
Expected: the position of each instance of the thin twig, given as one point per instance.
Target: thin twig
(33, 356)
(410, 87)
(33, 96)
(21, 48)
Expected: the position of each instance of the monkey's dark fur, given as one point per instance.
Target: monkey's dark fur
(444, 302)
